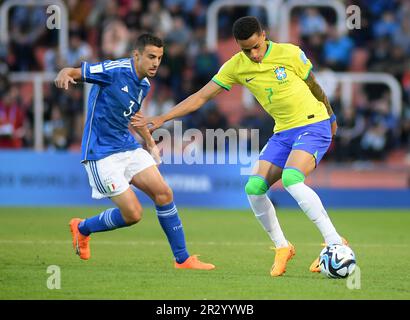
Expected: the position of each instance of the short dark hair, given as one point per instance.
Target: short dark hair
(245, 27)
(147, 39)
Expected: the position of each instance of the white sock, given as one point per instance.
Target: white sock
(265, 212)
(310, 203)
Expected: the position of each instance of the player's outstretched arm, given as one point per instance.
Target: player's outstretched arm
(318, 92)
(190, 104)
(66, 76)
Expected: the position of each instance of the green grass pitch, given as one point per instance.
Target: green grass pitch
(136, 262)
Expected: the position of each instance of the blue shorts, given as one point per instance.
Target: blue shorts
(313, 138)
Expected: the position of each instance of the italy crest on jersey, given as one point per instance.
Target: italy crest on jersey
(280, 73)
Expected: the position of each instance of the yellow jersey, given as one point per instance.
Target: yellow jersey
(277, 82)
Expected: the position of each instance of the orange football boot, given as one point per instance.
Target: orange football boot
(282, 256)
(314, 267)
(194, 263)
(80, 242)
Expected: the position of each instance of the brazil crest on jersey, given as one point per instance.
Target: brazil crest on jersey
(277, 82)
(116, 95)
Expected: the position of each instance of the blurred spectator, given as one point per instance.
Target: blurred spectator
(50, 59)
(213, 119)
(11, 120)
(4, 56)
(206, 65)
(403, 11)
(179, 33)
(55, 130)
(377, 7)
(347, 141)
(373, 142)
(161, 102)
(380, 54)
(196, 18)
(174, 62)
(312, 22)
(27, 25)
(70, 104)
(78, 50)
(405, 82)
(115, 40)
(110, 11)
(188, 5)
(379, 135)
(196, 43)
(4, 83)
(158, 19)
(402, 36)
(396, 62)
(405, 131)
(99, 13)
(337, 50)
(313, 46)
(133, 16)
(78, 12)
(387, 26)
(382, 113)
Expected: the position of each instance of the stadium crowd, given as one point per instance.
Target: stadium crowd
(99, 30)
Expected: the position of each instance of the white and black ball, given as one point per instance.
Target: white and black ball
(337, 261)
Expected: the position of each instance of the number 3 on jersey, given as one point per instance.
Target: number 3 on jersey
(269, 93)
(126, 114)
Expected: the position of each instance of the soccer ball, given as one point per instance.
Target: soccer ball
(337, 261)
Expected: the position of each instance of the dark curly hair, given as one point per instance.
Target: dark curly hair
(245, 27)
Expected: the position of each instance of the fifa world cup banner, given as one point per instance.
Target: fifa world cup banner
(59, 179)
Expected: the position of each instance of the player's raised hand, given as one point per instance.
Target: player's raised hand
(63, 79)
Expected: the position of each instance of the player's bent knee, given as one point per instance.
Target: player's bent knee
(256, 185)
(135, 218)
(133, 215)
(292, 176)
(164, 197)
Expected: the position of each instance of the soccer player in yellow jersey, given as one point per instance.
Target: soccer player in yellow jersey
(280, 77)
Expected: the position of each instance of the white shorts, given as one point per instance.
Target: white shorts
(111, 176)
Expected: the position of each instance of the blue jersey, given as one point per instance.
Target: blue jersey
(116, 95)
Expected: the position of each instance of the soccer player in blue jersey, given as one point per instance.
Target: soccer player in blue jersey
(112, 156)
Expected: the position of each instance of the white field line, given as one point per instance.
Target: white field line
(209, 243)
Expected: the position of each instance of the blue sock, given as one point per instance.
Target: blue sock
(110, 219)
(172, 226)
